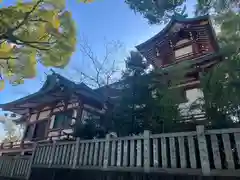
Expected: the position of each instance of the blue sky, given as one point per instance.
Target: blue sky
(100, 22)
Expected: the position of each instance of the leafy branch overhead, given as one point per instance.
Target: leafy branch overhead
(36, 31)
(159, 11)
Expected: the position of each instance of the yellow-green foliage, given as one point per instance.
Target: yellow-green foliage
(36, 31)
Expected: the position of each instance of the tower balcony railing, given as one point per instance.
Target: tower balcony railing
(186, 56)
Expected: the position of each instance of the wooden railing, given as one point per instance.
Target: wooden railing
(15, 167)
(23, 146)
(202, 152)
(16, 146)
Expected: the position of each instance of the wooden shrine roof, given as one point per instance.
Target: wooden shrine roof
(55, 88)
(200, 27)
(175, 21)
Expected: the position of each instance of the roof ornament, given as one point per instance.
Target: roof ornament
(56, 75)
(53, 72)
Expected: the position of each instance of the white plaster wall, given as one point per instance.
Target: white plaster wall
(183, 51)
(44, 114)
(192, 95)
(33, 117)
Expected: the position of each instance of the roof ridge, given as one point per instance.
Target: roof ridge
(174, 19)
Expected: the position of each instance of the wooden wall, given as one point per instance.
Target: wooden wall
(48, 112)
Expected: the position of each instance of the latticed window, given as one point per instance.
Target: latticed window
(36, 131)
(29, 132)
(63, 119)
(40, 130)
(88, 115)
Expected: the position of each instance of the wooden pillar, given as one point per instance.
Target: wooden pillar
(49, 119)
(76, 153)
(203, 152)
(106, 151)
(53, 153)
(31, 160)
(146, 151)
(195, 47)
(80, 110)
(25, 124)
(13, 166)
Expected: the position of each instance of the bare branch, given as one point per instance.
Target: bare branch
(91, 78)
(99, 69)
(87, 51)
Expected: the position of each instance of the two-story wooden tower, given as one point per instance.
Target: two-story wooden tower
(184, 40)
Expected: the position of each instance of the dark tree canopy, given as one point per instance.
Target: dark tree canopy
(159, 11)
(156, 11)
(144, 102)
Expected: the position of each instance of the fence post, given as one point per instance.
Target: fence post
(54, 143)
(203, 151)
(146, 151)
(106, 151)
(1, 163)
(76, 153)
(13, 166)
(31, 161)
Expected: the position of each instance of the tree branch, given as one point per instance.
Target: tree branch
(19, 41)
(37, 42)
(26, 16)
(6, 58)
(91, 78)
(100, 70)
(85, 49)
(39, 20)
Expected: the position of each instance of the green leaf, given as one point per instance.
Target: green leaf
(39, 28)
(2, 85)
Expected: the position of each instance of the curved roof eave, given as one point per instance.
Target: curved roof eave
(49, 84)
(174, 19)
(42, 91)
(85, 90)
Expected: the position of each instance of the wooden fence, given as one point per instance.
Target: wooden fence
(15, 167)
(202, 152)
